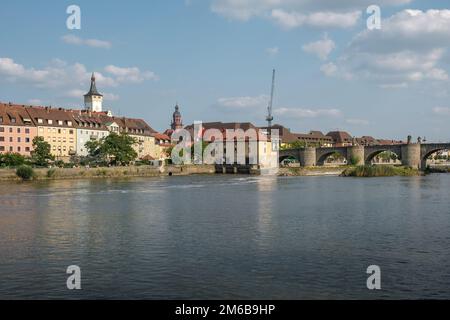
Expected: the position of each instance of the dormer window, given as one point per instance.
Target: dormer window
(13, 120)
(69, 123)
(40, 120)
(60, 122)
(1, 119)
(50, 121)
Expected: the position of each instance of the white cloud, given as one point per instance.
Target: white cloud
(132, 74)
(272, 51)
(321, 48)
(297, 13)
(330, 69)
(79, 93)
(58, 73)
(247, 102)
(94, 43)
(442, 111)
(325, 19)
(300, 113)
(411, 47)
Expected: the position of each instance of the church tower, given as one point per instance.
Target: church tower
(177, 121)
(93, 100)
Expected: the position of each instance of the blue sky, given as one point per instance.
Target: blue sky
(214, 57)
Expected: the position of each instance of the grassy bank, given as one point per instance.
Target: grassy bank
(380, 171)
(107, 172)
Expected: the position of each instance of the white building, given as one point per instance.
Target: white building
(93, 100)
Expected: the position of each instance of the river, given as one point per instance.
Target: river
(226, 237)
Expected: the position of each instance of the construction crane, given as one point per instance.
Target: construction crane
(269, 117)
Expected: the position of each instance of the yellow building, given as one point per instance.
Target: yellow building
(58, 128)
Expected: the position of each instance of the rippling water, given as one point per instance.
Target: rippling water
(226, 237)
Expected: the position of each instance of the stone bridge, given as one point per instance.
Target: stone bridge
(412, 155)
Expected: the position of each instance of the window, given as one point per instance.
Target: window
(10, 130)
(27, 140)
(10, 139)
(27, 130)
(13, 120)
(2, 139)
(69, 123)
(50, 121)
(27, 149)
(11, 149)
(19, 140)
(2, 148)
(19, 149)
(60, 122)
(70, 131)
(18, 130)
(40, 120)
(2, 129)
(1, 119)
(59, 130)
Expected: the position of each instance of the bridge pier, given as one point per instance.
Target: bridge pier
(308, 157)
(411, 156)
(355, 155)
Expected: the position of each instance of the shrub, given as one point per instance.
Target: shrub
(379, 171)
(25, 172)
(11, 160)
(354, 160)
(51, 172)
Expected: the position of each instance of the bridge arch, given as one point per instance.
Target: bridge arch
(430, 152)
(322, 157)
(288, 157)
(372, 154)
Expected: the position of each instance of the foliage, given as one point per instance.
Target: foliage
(51, 172)
(354, 160)
(379, 171)
(42, 152)
(114, 149)
(11, 160)
(25, 172)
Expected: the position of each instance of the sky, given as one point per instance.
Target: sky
(215, 59)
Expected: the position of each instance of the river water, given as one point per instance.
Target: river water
(226, 237)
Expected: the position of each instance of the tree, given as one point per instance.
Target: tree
(117, 149)
(11, 160)
(42, 152)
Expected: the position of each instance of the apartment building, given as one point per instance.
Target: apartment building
(17, 130)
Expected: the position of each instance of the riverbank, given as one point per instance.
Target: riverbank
(311, 171)
(111, 172)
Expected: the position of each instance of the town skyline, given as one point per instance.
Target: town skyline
(215, 75)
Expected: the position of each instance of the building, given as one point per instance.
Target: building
(93, 100)
(17, 130)
(177, 122)
(163, 144)
(264, 154)
(88, 128)
(313, 138)
(58, 128)
(341, 138)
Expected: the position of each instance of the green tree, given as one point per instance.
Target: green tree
(11, 160)
(41, 154)
(117, 148)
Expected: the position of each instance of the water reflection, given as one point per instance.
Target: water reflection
(226, 237)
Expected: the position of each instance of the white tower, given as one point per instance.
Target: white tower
(93, 100)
